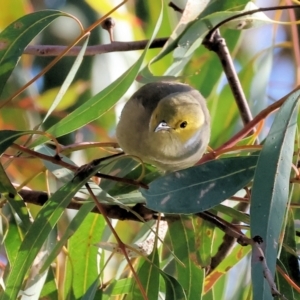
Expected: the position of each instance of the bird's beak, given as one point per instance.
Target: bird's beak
(162, 126)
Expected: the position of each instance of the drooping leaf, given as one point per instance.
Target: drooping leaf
(189, 34)
(68, 232)
(66, 85)
(237, 253)
(81, 267)
(200, 187)
(148, 274)
(174, 291)
(270, 190)
(288, 260)
(38, 233)
(99, 104)
(204, 233)
(7, 137)
(15, 37)
(14, 199)
(120, 287)
(50, 290)
(189, 274)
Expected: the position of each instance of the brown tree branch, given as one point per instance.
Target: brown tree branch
(112, 211)
(117, 212)
(49, 50)
(217, 44)
(54, 50)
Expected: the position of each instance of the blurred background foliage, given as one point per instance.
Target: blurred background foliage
(266, 60)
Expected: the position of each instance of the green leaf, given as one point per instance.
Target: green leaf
(65, 175)
(49, 291)
(61, 173)
(215, 12)
(99, 104)
(93, 291)
(288, 260)
(38, 233)
(7, 137)
(81, 266)
(174, 291)
(235, 256)
(126, 167)
(13, 235)
(204, 237)
(120, 287)
(288, 254)
(148, 274)
(14, 199)
(66, 85)
(200, 187)
(284, 287)
(219, 290)
(189, 275)
(232, 212)
(188, 36)
(15, 37)
(120, 167)
(270, 190)
(68, 232)
(250, 21)
(36, 278)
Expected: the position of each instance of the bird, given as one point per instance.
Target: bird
(166, 124)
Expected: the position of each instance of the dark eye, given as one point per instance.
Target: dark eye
(183, 124)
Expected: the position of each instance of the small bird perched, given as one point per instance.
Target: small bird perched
(166, 124)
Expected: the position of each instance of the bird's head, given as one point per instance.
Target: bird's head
(179, 115)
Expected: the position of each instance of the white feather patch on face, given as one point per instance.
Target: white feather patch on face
(192, 140)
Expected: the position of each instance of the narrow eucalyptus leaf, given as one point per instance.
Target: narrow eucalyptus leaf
(15, 37)
(270, 191)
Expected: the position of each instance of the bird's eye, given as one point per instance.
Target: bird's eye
(183, 124)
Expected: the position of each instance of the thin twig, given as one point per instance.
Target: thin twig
(288, 279)
(48, 50)
(243, 132)
(246, 13)
(226, 227)
(58, 161)
(228, 240)
(122, 246)
(175, 7)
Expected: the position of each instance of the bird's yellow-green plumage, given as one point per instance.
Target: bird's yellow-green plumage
(166, 124)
